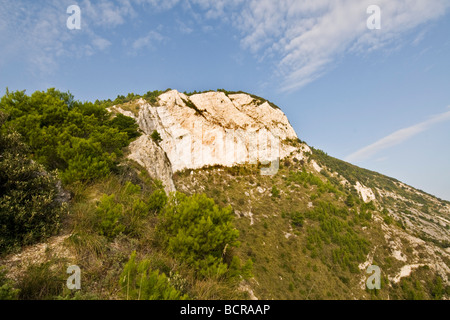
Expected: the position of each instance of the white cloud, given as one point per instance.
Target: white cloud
(32, 34)
(101, 43)
(159, 5)
(36, 32)
(147, 41)
(308, 36)
(184, 28)
(396, 138)
(107, 14)
(303, 39)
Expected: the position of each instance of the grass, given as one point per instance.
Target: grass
(302, 229)
(102, 258)
(283, 265)
(42, 281)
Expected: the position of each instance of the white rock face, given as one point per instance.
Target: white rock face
(316, 166)
(149, 155)
(208, 129)
(366, 193)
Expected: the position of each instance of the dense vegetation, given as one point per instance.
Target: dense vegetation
(309, 236)
(79, 139)
(139, 283)
(30, 204)
(114, 213)
(199, 232)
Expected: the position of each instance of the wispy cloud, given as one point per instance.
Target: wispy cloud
(397, 137)
(184, 28)
(147, 41)
(307, 37)
(35, 32)
(303, 40)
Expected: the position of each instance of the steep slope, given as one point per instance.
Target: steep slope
(312, 227)
(311, 224)
(313, 237)
(208, 129)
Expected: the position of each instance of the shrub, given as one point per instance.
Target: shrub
(30, 198)
(156, 137)
(157, 201)
(437, 291)
(275, 192)
(350, 201)
(197, 231)
(246, 271)
(125, 211)
(297, 219)
(388, 220)
(139, 282)
(110, 216)
(7, 291)
(348, 249)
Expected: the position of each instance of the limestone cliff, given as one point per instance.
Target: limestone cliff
(211, 128)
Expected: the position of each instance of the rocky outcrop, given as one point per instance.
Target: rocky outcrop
(366, 193)
(211, 128)
(149, 155)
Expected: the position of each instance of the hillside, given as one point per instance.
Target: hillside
(314, 237)
(280, 219)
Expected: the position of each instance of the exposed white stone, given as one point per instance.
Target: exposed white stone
(405, 271)
(366, 193)
(287, 234)
(208, 129)
(149, 155)
(227, 131)
(316, 166)
(245, 287)
(397, 254)
(260, 189)
(124, 112)
(249, 215)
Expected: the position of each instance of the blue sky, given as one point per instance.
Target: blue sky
(376, 98)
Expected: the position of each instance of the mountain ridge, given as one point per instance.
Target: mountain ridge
(310, 225)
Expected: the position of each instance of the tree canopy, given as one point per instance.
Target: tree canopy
(80, 139)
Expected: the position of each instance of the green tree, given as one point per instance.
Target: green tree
(350, 201)
(198, 231)
(31, 201)
(125, 124)
(78, 139)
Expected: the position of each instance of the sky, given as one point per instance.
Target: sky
(376, 97)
